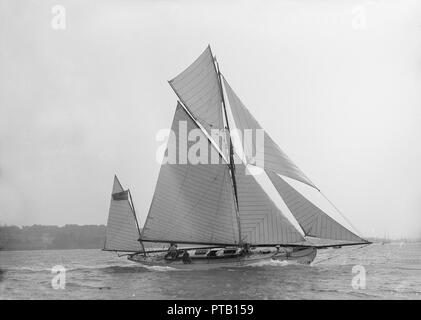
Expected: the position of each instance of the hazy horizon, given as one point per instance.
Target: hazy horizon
(385, 237)
(81, 104)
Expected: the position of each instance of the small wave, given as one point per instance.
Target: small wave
(407, 268)
(121, 269)
(272, 263)
(27, 269)
(127, 268)
(76, 285)
(404, 289)
(117, 268)
(163, 269)
(365, 295)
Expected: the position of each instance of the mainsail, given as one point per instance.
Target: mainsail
(313, 220)
(198, 89)
(122, 231)
(192, 203)
(273, 157)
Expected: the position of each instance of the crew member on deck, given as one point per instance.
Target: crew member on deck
(245, 250)
(172, 251)
(186, 257)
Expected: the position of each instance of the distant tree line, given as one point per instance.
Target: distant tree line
(35, 237)
(70, 236)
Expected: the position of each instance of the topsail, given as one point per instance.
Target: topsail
(198, 89)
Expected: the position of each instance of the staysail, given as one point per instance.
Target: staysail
(312, 220)
(272, 158)
(198, 89)
(192, 203)
(122, 231)
(261, 221)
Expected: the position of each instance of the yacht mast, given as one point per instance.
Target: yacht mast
(231, 164)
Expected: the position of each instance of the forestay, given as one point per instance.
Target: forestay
(313, 220)
(122, 231)
(272, 157)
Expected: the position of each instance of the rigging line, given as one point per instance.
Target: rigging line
(335, 256)
(341, 214)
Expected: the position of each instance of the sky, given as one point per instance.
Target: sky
(336, 85)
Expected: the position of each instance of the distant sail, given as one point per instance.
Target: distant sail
(199, 89)
(192, 203)
(274, 159)
(313, 220)
(261, 220)
(122, 232)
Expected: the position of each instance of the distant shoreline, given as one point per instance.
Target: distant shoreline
(39, 237)
(19, 250)
(77, 237)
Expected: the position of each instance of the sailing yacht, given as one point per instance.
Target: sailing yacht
(214, 206)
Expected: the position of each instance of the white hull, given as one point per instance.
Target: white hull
(304, 256)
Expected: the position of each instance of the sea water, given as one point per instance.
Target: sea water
(390, 271)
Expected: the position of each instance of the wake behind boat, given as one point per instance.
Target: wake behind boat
(206, 196)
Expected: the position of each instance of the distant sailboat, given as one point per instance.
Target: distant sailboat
(219, 210)
(386, 239)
